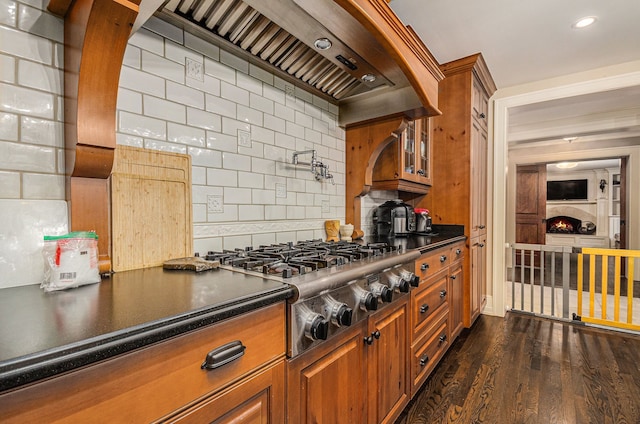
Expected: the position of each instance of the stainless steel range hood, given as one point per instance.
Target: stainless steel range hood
(356, 72)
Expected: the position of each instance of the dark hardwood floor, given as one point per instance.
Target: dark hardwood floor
(523, 369)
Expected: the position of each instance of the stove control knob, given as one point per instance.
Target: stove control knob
(398, 282)
(344, 314)
(317, 327)
(410, 277)
(367, 301)
(340, 313)
(381, 291)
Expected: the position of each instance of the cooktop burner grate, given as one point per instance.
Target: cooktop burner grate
(290, 259)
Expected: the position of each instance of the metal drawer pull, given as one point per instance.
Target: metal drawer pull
(424, 308)
(453, 277)
(443, 293)
(482, 115)
(458, 251)
(423, 360)
(480, 244)
(443, 258)
(443, 338)
(223, 355)
(482, 227)
(424, 267)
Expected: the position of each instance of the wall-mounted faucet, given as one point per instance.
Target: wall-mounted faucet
(319, 170)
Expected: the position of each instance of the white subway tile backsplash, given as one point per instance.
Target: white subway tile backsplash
(25, 45)
(222, 142)
(7, 68)
(320, 103)
(26, 101)
(236, 242)
(143, 82)
(263, 197)
(263, 239)
(44, 24)
(185, 95)
(142, 126)
(129, 140)
(234, 61)
(275, 153)
(263, 135)
(222, 177)
(41, 131)
(163, 109)
(250, 180)
(295, 130)
(165, 29)
(162, 67)
(58, 56)
(200, 194)
(205, 120)
(273, 93)
(285, 112)
(286, 141)
(286, 236)
(24, 157)
(201, 46)
(234, 93)
(209, 84)
(9, 185)
(274, 123)
(260, 103)
(295, 212)
(148, 41)
(199, 213)
(238, 196)
(132, 57)
(219, 71)
(304, 95)
(229, 214)
(164, 146)
(249, 83)
(204, 245)
(251, 213)
(249, 116)
(8, 127)
(43, 186)
(236, 161)
(220, 106)
(8, 12)
(272, 212)
(312, 136)
(232, 126)
(256, 149)
(312, 111)
(130, 101)
(261, 74)
(205, 157)
(198, 173)
(263, 166)
(177, 53)
(186, 135)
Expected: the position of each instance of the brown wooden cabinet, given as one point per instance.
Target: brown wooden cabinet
(436, 309)
(460, 145)
(350, 380)
(165, 382)
(405, 164)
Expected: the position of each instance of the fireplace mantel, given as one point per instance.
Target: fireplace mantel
(577, 240)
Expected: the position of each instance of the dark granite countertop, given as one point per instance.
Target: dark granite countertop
(442, 235)
(44, 334)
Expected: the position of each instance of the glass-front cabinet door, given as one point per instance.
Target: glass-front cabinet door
(416, 152)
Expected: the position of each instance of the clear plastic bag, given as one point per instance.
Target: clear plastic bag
(70, 260)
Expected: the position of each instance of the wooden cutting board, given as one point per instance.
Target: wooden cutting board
(151, 218)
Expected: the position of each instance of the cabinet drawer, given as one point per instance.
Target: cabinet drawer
(429, 302)
(155, 380)
(432, 262)
(456, 253)
(427, 352)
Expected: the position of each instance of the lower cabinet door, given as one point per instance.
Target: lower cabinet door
(327, 384)
(256, 400)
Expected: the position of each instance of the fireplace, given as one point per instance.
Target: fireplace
(569, 225)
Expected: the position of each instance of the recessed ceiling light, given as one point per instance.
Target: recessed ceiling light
(322, 44)
(566, 165)
(584, 22)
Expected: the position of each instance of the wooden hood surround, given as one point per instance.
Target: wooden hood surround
(95, 38)
(96, 33)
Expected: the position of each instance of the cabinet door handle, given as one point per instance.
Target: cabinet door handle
(443, 293)
(421, 172)
(482, 115)
(443, 258)
(376, 334)
(443, 338)
(453, 277)
(482, 227)
(480, 244)
(368, 340)
(423, 360)
(424, 308)
(223, 355)
(424, 266)
(458, 251)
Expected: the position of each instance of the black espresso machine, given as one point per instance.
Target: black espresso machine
(394, 218)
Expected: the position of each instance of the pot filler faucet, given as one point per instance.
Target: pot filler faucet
(319, 170)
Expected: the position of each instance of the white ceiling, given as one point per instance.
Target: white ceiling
(528, 41)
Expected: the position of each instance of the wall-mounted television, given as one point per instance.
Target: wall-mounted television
(567, 190)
